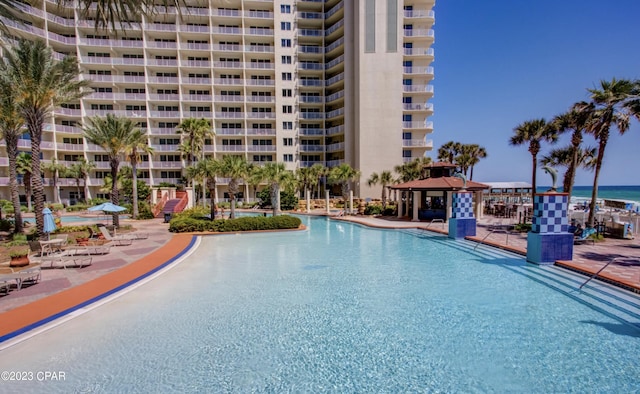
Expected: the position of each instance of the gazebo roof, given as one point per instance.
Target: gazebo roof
(445, 183)
(441, 164)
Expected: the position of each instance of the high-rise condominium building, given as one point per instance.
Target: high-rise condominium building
(299, 82)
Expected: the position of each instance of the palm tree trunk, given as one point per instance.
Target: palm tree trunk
(26, 180)
(134, 188)
(115, 198)
(35, 121)
(471, 177)
(87, 192)
(56, 188)
(13, 184)
(213, 204)
(275, 199)
(594, 192)
(533, 176)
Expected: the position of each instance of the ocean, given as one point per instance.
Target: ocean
(629, 193)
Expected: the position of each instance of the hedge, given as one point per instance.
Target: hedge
(249, 223)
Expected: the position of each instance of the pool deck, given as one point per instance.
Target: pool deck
(63, 290)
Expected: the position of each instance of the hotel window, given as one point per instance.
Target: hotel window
(99, 72)
(287, 109)
(285, 9)
(285, 25)
(406, 153)
(287, 158)
(231, 142)
(102, 107)
(286, 76)
(103, 90)
(262, 158)
(392, 25)
(167, 91)
(287, 141)
(406, 136)
(136, 107)
(134, 91)
(287, 125)
(286, 59)
(262, 142)
(169, 141)
(287, 92)
(285, 43)
(370, 26)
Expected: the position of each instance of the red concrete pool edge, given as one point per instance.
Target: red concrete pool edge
(30, 316)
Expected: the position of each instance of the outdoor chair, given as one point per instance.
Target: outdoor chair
(118, 240)
(585, 237)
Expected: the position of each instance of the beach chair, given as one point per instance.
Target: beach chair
(584, 238)
(119, 240)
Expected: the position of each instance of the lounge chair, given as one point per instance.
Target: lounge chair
(118, 240)
(585, 237)
(89, 250)
(64, 259)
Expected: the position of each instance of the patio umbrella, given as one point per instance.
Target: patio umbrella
(107, 207)
(49, 222)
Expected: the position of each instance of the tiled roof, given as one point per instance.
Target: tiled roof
(443, 183)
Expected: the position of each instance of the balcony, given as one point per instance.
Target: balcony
(71, 147)
(311, 132)
(198, 97)
(163, 131)
(420, 143)
(427, 52)
(335, 147)
(67, 111)
(261, 148)
(166, 164)
(261, 115)
(335, 113)
(418, 71)
(261, 132)
(230, 131)
(335, 130)
(311, 115)
(419, 33)
(164, 147)
(311, 148)
(417, 89)
(230, 115)
(164, 80)
(164, 97)
(231, 148)
(419, 14)
(165, 114)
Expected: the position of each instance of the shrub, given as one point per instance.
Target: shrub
(523, 227)
(56, 207)
(5, 225)
(77, 207)
(144, 211)
(247, 223)
(373, 209)
(288, 200)
(389, 211)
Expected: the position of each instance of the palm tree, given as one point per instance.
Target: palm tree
(75, 172)
(533, 132)
(11, 128)
(57, 171)
(474, 152)
(306, 179)
(254, 179)
(412, 170)
(113, 134)
(194, 132)
(84, 170)
(41, 83)
(576, 120)
(343, 175)
(611, 105)
(449, 151)
(234, 168)
(137, 144)
(384, 179)
(571, 157)
(23, 163)
(207, 170)
(319, 171)
(277, 176)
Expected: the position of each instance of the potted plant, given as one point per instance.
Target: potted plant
(19, 258)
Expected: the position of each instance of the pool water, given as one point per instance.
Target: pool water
(338, 308)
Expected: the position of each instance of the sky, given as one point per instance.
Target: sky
(499, 63)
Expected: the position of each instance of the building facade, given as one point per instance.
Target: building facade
(299, 82)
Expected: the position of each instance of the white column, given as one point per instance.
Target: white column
(190, 197)
(406, 203)
(399, 205)
(350, 202)
(306, 194)
(154, 196)
(326, 200)
(449, 205)
(416, 203)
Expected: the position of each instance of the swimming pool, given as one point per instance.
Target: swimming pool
(339, 308)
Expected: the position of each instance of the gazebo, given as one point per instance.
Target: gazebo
(431, 197)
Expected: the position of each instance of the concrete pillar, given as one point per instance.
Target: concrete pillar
(306, 194)
(549, 239)
(154, 196)
(350, 202)
(406, 203)
(326, 201)
(462, 222)
(449, 212)
(190, 197)
(479, 204)
(399, 205)
(416, 206)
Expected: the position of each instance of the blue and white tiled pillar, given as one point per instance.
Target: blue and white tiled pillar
(549, 239)
(462, 222)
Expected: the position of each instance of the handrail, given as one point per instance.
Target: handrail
(435, 221)
(599, 271)
(160, 205)
(495, 230)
